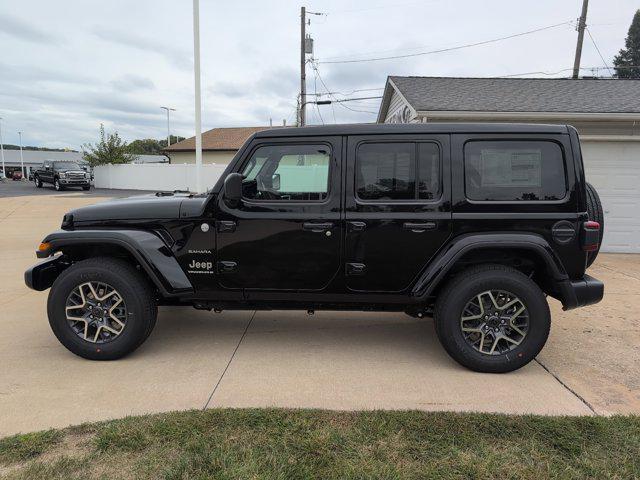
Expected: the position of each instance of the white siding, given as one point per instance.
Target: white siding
(395, 110)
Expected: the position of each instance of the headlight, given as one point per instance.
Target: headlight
(86, 175)
(63, 175)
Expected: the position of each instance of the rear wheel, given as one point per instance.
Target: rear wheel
(492, 318)
(101, 308)
(594, 209)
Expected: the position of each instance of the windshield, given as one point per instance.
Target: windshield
(67, 166)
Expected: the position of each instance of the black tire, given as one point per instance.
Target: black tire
(38, 182)
(134, 289)
(87, 187)
(57, 185)
(465, 286)
(594, 209)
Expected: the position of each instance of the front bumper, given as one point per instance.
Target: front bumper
(579, 293)
(42, 275)
(74, 181)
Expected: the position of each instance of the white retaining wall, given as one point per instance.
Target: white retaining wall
(155, 176)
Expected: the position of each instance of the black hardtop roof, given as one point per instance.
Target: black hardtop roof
(389, 128)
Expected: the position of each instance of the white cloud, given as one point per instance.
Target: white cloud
(66, 68)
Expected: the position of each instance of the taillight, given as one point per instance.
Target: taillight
(591, 236)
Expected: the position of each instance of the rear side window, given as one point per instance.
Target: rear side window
(397, 171)
(514, 171)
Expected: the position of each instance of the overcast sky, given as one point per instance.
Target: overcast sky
(66, 67)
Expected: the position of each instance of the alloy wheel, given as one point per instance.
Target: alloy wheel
(494, 322)
(96, 312)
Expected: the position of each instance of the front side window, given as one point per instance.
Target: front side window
(397, 171)
(288, 172)
(514, 171)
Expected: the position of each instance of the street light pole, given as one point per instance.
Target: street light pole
(21, 159)
(4, 170)
(196, 72)
(168, 109)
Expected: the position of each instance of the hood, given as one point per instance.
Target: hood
(143, 207)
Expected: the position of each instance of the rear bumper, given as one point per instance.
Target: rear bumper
(579, 293)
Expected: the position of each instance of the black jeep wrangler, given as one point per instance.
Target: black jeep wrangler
(62, 174)
(473, 225)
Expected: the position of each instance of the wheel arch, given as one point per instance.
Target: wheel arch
(528, 253)
(149, 251)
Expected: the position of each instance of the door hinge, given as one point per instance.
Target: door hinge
(226, 226)
(352, 269)
(226, 266)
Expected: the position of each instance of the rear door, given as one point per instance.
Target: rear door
(398, 209)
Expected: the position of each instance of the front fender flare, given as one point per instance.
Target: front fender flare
(444, 261)
(149, 250)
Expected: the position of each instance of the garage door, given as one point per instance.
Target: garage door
(614, 169)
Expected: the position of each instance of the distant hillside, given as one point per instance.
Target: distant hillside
(8, 146)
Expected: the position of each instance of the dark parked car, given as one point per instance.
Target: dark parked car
(473, 224)
(62, 174)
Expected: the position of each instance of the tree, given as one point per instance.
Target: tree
(151, 146)
(627, 62)
(110, 149)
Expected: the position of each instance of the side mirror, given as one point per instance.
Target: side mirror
(233, 188)
(275, 181)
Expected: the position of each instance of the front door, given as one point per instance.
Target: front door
(398, 209)
(286, 232)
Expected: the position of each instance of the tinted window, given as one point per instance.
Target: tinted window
(514, 170)
(388, 171)
(288, 172)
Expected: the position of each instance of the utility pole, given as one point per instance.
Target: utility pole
(4, 170)
(582, 24)
(168, 109)
(303, 68)
(21, 159)
(196, 74)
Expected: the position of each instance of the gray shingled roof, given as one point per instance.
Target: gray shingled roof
(520, 95)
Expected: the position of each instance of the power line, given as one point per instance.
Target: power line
(598, 50)
(442, 50)
(315, 67)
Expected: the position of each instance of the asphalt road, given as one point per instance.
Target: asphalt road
(11, 188)
(344, 361)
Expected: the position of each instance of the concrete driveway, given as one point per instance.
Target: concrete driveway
(197, 359)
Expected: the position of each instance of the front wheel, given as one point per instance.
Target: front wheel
(492, 318)
(101, 308)
(57, 185)
(86, 187)
(38, 182)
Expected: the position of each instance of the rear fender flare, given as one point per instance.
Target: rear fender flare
(149, 250)
(446, 259)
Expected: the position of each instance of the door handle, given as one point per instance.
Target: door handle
(317, 227)
(356, 226)
(419, 227)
